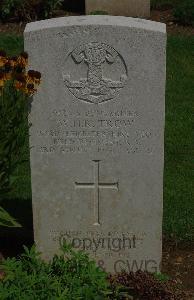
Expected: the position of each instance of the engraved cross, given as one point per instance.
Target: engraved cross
(96, 185)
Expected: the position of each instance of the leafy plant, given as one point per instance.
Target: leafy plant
(8, 6)
(161, 277)
(163, 4)
(99, 12)
(184, 12)
(68, 276)
(50, 6)
(27, 10)
(7, 220)
(16, 85)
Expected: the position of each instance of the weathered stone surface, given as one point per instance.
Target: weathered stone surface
(129, 8)
(97, 138)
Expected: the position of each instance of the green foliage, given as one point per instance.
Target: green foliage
(69, 276)
(99, 12)
(6, 220)
(179, 143)
(13, 135)
(161, 277)
(27, 10)
(12, 43)
(20, 177)
(11, 8)
(49, 6)
(163, 4)
(184, 12)
(8, 6)
(16, 85)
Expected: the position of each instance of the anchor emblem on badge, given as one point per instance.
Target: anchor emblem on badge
(106, 73)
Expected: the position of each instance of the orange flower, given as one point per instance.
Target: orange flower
(24, 55)
(14, 68)
(8, 71)
(21, 77)
(13, 61)
(8, 76)
(34, 76)
(2, 83)
(22, 60)
(3, 58)
(37, 77)
(30, 89)
(2, 80)
(29, 79)
(20, 81)
(18, 85)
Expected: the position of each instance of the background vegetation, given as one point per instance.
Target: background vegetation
(75, 277)
(26, 10)
(29, 10)
(164, 4)
(183, 10)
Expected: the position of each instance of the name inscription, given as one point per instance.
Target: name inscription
(94, 131)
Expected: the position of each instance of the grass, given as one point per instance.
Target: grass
(179, 139)
(179, 142)
(11, 43)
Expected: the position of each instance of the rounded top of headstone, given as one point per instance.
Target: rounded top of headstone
(96, 20)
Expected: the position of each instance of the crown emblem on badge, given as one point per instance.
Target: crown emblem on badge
(96, 87)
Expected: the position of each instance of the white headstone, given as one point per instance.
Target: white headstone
(97, 138)
(129, 8)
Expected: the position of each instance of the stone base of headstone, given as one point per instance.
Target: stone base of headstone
(129, 8)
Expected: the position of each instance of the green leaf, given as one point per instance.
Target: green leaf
(6, 220)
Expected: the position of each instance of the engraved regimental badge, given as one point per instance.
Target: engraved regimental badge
(97, 73)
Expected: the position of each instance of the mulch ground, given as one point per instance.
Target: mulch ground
(178, 264)
(172, 27)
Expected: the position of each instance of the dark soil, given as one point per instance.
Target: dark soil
(178, 263)
(164, 16)
(12, 28)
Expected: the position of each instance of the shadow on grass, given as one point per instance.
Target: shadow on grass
(12, 239)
